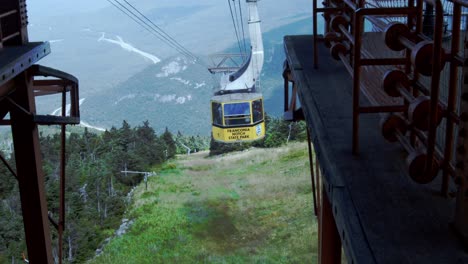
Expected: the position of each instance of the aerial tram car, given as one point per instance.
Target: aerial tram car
(237, 105)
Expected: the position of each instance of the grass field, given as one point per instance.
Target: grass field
(253, 206)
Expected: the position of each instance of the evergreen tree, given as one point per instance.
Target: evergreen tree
(151, 147)
(7, 180)
(126, 138)
(95, 187)
(170, 144)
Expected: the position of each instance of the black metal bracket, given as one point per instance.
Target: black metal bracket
(63, 83)
(16, 59)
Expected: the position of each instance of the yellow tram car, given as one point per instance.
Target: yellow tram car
(237, 117)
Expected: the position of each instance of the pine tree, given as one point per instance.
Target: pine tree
(151, 149)
(170, 144)
(7, 180)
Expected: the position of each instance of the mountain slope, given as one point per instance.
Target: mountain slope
(248, 207)
(176, 92)
(272, 78)
(173, 93)
(75, 27)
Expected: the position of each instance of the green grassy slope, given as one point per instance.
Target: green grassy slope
(248, 207)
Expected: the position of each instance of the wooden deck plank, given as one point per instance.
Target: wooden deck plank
(382, 215)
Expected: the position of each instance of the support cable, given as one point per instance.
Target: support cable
(238, 24)
(162, 32)
(242, 24)
(235, 27)
(152, 30)
(145, 25)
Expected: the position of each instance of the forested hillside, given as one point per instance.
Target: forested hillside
(97, 192)
(96, 189)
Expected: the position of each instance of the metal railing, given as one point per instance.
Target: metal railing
(410, 65)
(4, 34)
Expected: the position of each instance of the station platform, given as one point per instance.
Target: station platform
(382, 216)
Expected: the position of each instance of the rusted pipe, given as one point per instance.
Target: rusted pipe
(8, 13)
(435, 82)
(394, 127)
(339, 51)
(448, 167)
(358, 29)
(314, 28)
(452, 95)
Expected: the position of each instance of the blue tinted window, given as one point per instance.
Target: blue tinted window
(236, 109)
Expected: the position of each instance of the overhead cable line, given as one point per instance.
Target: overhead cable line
(157, 34)
(242, 23)
(162, 32)
(235, 27)
(236, 15)
(146, 26)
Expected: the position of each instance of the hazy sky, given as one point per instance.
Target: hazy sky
(63, 7)
(213, 20)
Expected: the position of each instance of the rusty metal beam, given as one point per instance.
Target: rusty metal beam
(460, 223)
(312, 172)
(16, 56)
(452, 97)
(6, 89)
(61, 224)
(330, 242)
(30, 174)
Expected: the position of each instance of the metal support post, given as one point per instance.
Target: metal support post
(30, 174)
(330, 243)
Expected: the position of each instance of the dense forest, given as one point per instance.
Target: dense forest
(97, 192)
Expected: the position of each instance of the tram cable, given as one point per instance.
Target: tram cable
(237, 107)
(238, 24)
(242, 24)
(149, 28)
(235, 27)
(163, 33)
(156, 33)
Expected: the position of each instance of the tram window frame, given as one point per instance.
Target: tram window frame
(237, 119)
(217, 113)
(257, 114)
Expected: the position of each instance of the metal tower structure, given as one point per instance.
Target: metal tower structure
(21, 82)
(246, 76)
(237, 105)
